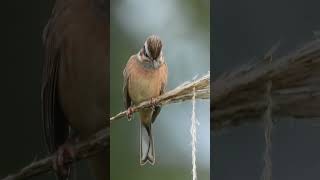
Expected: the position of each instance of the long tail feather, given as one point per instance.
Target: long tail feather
(147, 153)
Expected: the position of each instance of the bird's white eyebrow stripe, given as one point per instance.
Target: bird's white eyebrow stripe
(138, 55)
(146, 48)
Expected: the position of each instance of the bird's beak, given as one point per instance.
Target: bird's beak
(155, 63)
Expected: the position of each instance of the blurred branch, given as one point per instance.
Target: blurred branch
(100, 140)
(88, 148)
(239, 96)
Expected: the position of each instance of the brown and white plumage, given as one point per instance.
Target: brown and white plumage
(145, 77)
(74, 83)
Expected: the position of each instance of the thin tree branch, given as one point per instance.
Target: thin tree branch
(100, 140)
(181, 93)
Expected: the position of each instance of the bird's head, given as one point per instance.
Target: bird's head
(151, 52)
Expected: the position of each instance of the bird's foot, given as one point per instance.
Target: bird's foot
(64, 153)
(153, 103)
(129, 113)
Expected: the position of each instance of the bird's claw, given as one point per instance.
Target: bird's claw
(153, 103)
(64, 152)
(129, 113)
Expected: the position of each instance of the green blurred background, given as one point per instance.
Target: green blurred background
(184, 28)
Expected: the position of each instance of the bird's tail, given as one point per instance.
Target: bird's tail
(146, 144)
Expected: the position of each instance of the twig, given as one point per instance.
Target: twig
(181, 93)
(100, 140)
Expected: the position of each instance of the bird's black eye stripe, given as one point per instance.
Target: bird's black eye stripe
(145, 52)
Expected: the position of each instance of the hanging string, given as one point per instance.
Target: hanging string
(267, 170)
(193, 131)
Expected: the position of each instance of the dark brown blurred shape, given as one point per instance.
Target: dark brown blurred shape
(240, 96)
(75, 85)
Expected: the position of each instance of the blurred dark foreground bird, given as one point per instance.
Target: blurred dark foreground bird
(74, 92)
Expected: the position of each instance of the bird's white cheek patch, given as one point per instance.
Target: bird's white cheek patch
(156, 64)
(147, 49)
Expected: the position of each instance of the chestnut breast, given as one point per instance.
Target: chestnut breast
(145, 83)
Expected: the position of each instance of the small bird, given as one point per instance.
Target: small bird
(145, 77)
(75, 88)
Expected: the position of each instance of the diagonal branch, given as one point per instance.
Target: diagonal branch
(85, 149)
(181, 93)
(100, 140)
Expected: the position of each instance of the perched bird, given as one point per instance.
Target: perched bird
(145, 77)
(75, 84)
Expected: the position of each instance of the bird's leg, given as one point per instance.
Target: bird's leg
(153, 103)
(129, 113)
(64, 153)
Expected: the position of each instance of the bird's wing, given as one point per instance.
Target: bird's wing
(56, 128)
(163, 80)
